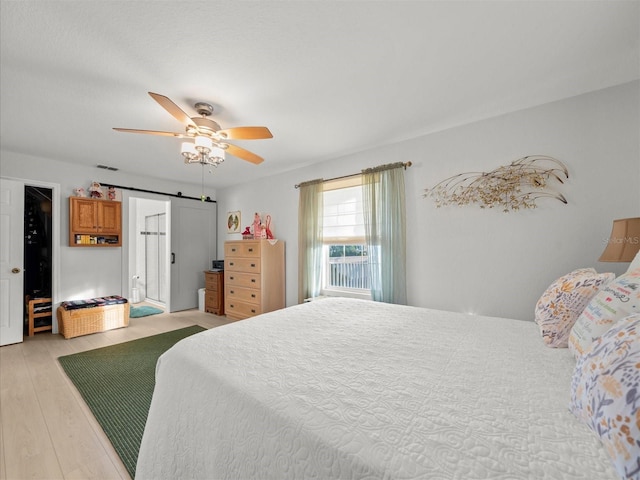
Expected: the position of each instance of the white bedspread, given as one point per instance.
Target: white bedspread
(345, 389)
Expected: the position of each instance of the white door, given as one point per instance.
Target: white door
(193, 246)
(11, 261)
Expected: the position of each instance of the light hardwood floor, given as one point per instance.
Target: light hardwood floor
(46, 429)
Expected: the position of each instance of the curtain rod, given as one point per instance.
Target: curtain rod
(404, 165)
(178, 195)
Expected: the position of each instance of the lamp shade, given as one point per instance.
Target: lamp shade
(203, 142)
(624, 241)
(188, 148)
(218, 154)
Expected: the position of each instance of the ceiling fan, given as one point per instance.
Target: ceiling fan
(209, 140)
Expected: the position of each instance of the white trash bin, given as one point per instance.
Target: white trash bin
(201, 299)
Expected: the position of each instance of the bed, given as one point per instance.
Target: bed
(343, 388)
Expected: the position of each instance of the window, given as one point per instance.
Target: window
(345, 268)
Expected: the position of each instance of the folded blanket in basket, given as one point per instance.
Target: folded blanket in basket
(93, 302)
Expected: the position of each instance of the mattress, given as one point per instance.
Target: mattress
(351, 389)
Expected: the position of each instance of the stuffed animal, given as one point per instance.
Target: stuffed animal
(111, 193)
(95, 190)
(80, 192)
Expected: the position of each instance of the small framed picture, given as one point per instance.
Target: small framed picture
(233, 222)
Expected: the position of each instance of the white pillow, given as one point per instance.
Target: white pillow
(635, 263)
(613, 302)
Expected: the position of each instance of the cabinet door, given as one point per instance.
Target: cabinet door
(85, 215)
(109, 217)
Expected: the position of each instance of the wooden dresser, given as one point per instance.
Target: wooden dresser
(214, 292)
(253, 277)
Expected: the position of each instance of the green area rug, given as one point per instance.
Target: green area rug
(117, 384)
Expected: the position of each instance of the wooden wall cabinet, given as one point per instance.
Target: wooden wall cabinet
(214, 292)
(94, 223)
(254, 277)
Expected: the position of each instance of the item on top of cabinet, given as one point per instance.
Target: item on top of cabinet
(269, 235)
(95, 190)
(80, 192)
(257, 226)
(247, 235)
(111, 193)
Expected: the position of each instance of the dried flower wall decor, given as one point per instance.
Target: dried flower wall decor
(510, 187)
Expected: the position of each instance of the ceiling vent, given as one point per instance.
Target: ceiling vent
(106, 167)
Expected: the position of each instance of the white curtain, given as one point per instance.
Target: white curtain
(310, 239)
(385, 230)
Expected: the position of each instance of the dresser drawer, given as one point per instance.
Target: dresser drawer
(251, 280)
(241, 309)
(214, 303)
(249, 295)
(212, 283)
(242, 249)
(246, 265)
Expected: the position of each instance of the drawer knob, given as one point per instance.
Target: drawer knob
(253, 280)
(253, 295)
(253, 265)
(231, 305)
(251, 249)
(233, 249)
(231, 291)
(231, 264)
(230, 278)
(253, 310)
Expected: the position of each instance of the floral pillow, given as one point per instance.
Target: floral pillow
(605, 393)
(613, 302)
(564, 300)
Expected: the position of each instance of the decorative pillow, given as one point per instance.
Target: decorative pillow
(605, 393)
(613, 302)
(562, 303)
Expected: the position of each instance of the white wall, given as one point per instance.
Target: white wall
(485, 261)
(89, 272)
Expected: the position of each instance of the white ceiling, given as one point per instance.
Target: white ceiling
(328, 78)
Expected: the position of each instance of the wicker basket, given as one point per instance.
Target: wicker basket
(83, 321)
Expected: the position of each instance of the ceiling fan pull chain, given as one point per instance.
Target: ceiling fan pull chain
(202, 197)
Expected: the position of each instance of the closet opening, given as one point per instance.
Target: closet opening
(38, 259)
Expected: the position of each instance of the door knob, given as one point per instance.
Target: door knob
(15, 270)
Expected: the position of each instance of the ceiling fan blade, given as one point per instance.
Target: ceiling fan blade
(244, 154)
(152, 132)
(245, 133)
(172, 108)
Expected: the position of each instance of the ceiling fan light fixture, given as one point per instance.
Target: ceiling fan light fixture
(208, 142)
(202, 151)
(188, 148)
(203, 144)
(217, 154)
